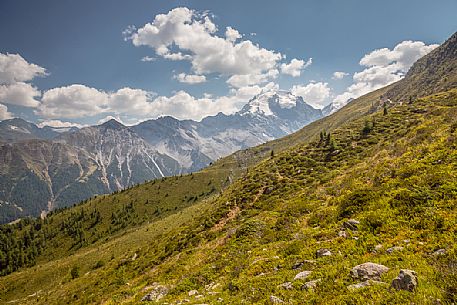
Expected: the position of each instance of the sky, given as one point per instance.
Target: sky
(65, 62)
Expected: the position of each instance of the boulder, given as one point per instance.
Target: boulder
(368, 271)
(351, 224)
(302, 275)
(193, 292)
(300, 264)
(287, 286)
(406, 280)
(439, 252)
(276, 300)
(158, 291)
(394, 249)
(310, 285)
(365, 284)
(378, 248)
(323, 252)
(342, 234)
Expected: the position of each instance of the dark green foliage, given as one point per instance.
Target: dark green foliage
(74, 272)
(355, 202)
(367, 128)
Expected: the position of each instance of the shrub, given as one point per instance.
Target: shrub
(74, 272)
(355, 202)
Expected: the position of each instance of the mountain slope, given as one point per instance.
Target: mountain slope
(65, 167)
(433, 73)
(266, 228)
(268, 116)
(73, 167)
(14, 130)
(262, 239)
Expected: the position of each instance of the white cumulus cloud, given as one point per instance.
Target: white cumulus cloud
(243, 80)
(231, 34)
(190, 78)
(4, 114)
(148, 59)
(339, 75)
(19, 93)
(74, 101)
(136, 102)
(15, 72)
(315, 94)
(58, 124)
(383, 67)
(184, 34)
(295, 67)
(14, 68)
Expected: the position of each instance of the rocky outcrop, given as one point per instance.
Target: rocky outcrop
(302, 275)
(275, 300)
(351, 224)
(323, 252)
(311, 285)
(365, 284)
(394, 249)
(158, 292)
(406, 280)
(368, 271)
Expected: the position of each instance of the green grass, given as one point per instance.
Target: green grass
(399, 179)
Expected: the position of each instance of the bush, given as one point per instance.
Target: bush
(74, 272)
(355, 202)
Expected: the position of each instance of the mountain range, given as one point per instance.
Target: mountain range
(65, 166)
(357, 207)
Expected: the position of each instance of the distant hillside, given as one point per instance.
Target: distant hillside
(64, 167)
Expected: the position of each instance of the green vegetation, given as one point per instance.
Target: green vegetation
(239, 246)
(64, 231)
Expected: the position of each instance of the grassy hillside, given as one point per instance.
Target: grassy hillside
(65, 231)
(394, 172)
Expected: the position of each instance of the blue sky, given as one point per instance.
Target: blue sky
(82, 42)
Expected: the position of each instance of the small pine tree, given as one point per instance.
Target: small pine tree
(74, 272)
(328, 139)
(367, 128)
(385, 109)
(272, 154)
(332, 145)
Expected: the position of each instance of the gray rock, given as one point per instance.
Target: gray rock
(287, 286)
(439, 252)
(300, 264)
(323, 252)
(406, 280)
(276, 300)
(193, 292)
(310, 285)
(302, 275)
(378, 248)
(342, 234)
(368, 271)
(157, 292)
(394, 249)
(365, 284)
(351, 224)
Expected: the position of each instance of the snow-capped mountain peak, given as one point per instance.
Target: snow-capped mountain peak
(265, 102)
